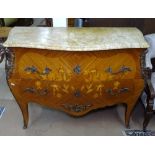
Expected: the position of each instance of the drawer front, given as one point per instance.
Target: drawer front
(73, 97)
(87, 66)
(76, 82)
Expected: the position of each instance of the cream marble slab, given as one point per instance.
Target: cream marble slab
(76, 39)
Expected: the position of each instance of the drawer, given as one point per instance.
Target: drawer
(74, 98)
(88, 66)
(76, 92)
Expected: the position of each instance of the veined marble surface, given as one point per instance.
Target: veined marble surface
(76, 39)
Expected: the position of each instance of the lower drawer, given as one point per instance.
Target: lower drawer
(74, 98)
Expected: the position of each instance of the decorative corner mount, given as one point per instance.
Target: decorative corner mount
(2, 52)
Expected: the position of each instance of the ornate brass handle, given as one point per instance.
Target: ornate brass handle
(123, 69)
(121, 90)
(1, 55)
(36, 91)
(2, 52)
(33, 69)
(77, 107)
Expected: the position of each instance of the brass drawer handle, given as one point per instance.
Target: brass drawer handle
(33, 69)
(121, 90)
(30, 90)
(2, 52)
(46, 71)
(36, 91)
(1, 56)
(123, 69)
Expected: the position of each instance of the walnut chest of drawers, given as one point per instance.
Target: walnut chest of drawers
(75, 70)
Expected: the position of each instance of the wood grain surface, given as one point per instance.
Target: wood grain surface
(76, 82)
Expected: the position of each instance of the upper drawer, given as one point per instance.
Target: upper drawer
(87, 66)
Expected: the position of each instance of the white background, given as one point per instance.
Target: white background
(77, 8)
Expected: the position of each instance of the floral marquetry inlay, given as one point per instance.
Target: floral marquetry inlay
(65, 68)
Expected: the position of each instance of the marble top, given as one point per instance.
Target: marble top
(76, 39)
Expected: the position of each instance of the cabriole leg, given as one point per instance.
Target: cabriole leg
(24, 109)
(129, 109)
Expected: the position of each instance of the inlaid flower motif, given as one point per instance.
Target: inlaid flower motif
(38, 85)
(116, 85)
